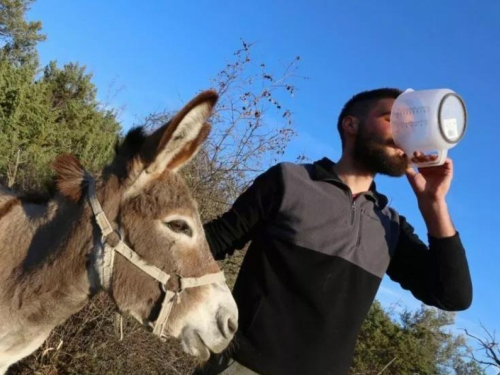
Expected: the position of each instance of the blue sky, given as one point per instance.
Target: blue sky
(160, 53)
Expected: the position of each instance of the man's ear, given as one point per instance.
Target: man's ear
(350, 125)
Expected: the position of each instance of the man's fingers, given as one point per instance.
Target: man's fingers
(410, 172)
(419, 157)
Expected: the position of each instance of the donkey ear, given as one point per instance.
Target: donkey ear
(173, 145)
(182, 138)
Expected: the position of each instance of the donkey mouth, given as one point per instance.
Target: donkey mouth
(202, 347)
(194, 344)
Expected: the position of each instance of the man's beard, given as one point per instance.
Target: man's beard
(372, 154)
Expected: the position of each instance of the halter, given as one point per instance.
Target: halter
(104, 259)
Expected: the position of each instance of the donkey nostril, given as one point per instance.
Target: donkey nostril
(232, 326)
(227, 323)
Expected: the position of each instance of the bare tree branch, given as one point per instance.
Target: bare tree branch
(490, 347)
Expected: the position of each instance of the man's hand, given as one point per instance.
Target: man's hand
(431, 185)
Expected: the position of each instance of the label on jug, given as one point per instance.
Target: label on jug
(450, 128)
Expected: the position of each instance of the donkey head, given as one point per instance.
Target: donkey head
(149, 203)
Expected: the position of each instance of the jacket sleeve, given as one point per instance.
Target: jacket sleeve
(256, 205)
(437, 274)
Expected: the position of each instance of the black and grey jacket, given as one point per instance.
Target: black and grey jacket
(314, 265)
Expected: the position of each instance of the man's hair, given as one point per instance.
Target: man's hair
(360, 104)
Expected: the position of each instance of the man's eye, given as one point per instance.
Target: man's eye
(180, 226)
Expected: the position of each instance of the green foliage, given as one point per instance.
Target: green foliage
(415, 343)
(19, 37)
(44, 115)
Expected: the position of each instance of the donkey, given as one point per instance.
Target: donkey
(133, 231)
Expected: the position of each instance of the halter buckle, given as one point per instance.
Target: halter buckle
(116, 237)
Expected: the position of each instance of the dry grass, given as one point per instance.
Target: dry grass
(89, 343)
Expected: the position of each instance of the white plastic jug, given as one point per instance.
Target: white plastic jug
(428, 121)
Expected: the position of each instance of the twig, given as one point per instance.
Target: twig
(12, 177)
(387, 365)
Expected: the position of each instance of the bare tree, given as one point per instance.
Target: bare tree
(489, 346)
(246, 135)
(251, 127)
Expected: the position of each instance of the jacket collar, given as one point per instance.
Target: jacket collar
(323, 171)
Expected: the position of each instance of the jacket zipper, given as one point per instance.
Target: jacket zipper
(353, 217)
(360, 226)
(353, 212)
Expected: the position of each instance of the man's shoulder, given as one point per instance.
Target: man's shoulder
(292, 165)
(290, 171)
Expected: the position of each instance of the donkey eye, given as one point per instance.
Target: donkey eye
(180, 226)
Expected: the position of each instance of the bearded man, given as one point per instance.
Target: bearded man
(322, 238)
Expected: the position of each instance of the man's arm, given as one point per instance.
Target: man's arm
(437, 274)
(255, 206)
(431, 186)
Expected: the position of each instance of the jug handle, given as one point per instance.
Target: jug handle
(439, 161)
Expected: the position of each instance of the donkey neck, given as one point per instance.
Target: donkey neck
(51, 281)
